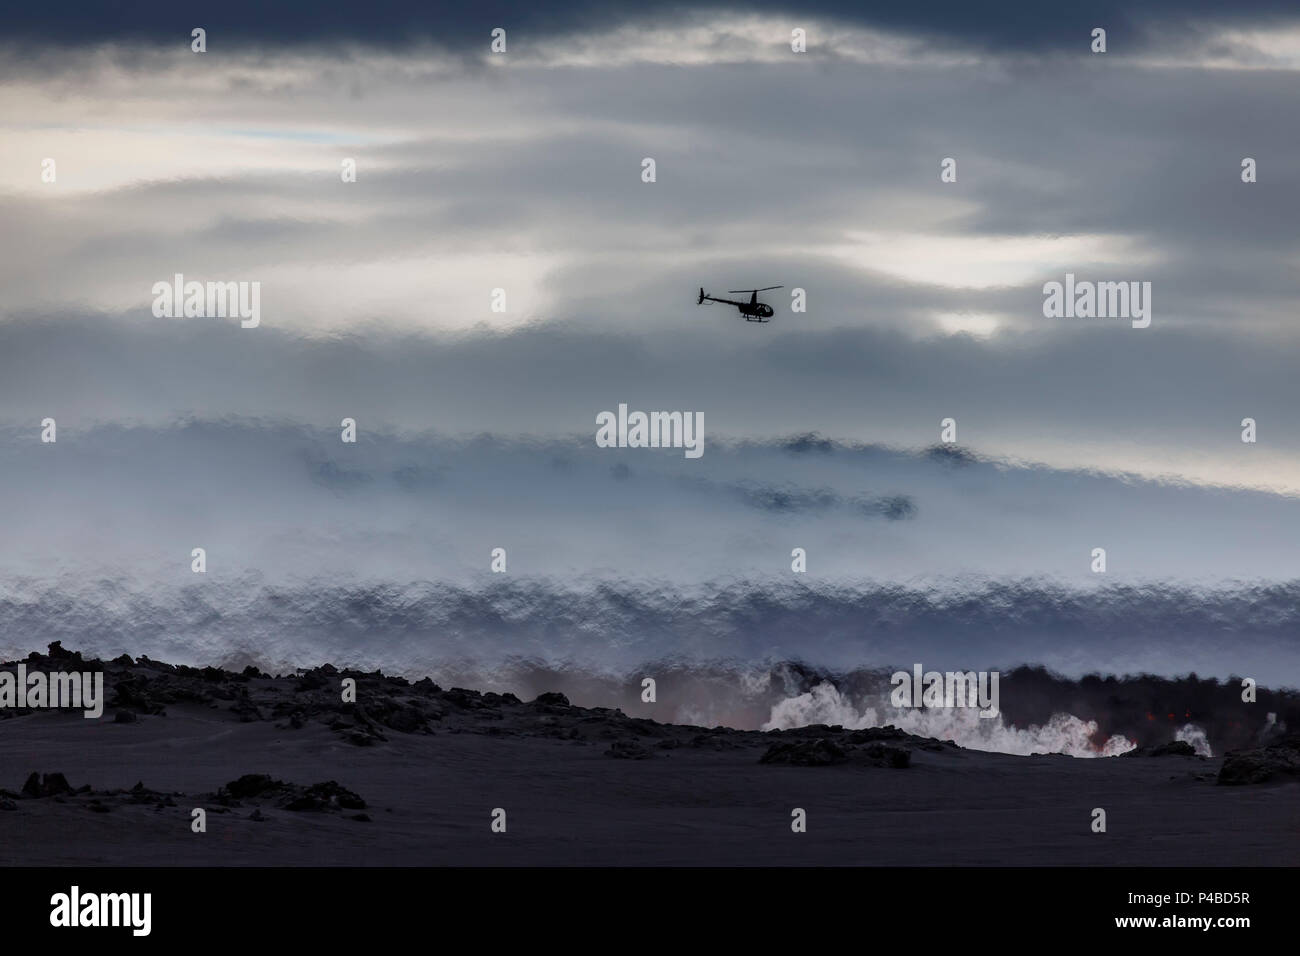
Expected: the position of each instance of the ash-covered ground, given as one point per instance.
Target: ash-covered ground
(289, 773)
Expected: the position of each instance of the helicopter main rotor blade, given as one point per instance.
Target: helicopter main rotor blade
(768, 288)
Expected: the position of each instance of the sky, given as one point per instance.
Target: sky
(522, 171)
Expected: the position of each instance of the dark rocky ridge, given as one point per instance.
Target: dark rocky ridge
(1277, 760)
(144, 688)
(1146, 709)
(421, 767)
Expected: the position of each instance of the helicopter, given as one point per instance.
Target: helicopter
(753, 310)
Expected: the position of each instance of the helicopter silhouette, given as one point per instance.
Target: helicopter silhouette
(753, 310)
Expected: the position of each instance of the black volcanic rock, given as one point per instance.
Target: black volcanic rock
(213, 675)
(886, 755)
(318, 678)
(1175, 748)
(872, 734)
(57, 653)
(403, 718)
(47, 785)
(325, 796)
(133, 694)
(142, 794)
(824, 752)
(806, 753)
(251, 785)
(1279, 759)
(328, 795)
(246, 710)
(628, 750)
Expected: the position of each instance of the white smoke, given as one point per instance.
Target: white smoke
(1191, 734)
(1064, 733)
(1272, 729)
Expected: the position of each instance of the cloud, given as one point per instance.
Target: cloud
(289, 503)
(529, 180)
(523, 173)
(1112, 398)
(1018, 27)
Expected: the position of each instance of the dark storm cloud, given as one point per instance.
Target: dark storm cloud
(1015, 26)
